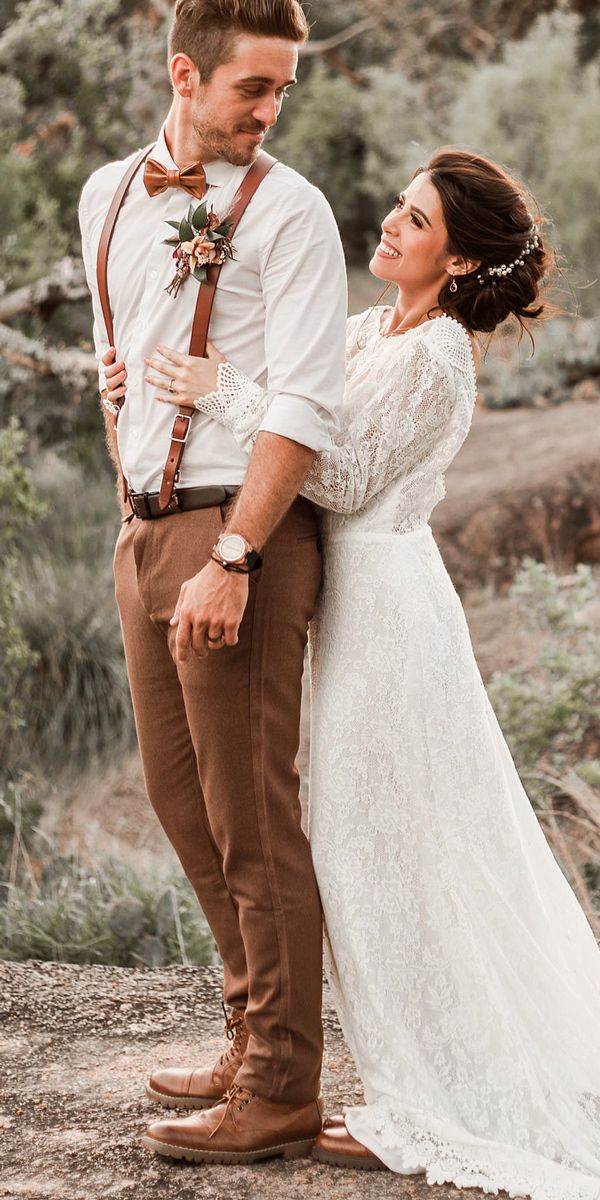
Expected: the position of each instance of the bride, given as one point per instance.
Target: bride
(465, 975)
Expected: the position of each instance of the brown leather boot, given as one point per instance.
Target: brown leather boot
(178, 1087)
(243, 1128)
(338, 1148)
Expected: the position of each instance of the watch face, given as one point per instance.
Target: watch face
(232, 547)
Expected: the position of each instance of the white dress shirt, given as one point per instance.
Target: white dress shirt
(279, 312)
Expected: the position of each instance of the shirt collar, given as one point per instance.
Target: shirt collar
(218, 172)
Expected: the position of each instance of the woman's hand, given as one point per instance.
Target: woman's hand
(115, 374)
(182, 378)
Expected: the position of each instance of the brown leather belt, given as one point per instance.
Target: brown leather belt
(146, 505)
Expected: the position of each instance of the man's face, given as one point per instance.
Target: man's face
(232, 113)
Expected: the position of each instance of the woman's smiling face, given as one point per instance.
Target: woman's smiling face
(413, 251)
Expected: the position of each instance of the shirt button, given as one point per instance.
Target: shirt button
(153, 273)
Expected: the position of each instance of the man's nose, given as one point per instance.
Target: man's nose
(266, 111)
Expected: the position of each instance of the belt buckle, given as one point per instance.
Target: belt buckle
(140, 505)
(174, 504)
(181, 417)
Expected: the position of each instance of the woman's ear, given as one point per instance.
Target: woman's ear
(463, 266)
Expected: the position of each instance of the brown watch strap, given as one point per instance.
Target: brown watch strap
(200, 325)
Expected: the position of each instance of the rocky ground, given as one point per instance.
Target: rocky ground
(75, 1048)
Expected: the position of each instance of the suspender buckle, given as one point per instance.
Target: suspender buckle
(176, 435)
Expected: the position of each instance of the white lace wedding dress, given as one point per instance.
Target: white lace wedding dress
(466, 977)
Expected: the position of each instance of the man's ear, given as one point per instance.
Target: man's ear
(184, 75)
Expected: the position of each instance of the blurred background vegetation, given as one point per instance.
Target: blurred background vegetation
(382, 84)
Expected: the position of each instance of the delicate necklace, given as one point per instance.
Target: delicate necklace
(393, 332)
(398, 332)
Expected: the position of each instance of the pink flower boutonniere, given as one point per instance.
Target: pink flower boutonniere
(202, 239)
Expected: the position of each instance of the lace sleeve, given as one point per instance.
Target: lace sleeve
(237, 403)
(405, 425)
(241, 405)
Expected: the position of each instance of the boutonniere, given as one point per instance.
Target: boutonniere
(202, 239)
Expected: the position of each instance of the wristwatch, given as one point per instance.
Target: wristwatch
(234, 553)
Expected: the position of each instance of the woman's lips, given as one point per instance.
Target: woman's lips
(386, 250)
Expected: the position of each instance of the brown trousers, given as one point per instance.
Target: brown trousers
(218, 738)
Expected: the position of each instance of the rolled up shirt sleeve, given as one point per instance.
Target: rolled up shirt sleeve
(305, 294)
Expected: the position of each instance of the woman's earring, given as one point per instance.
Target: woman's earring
(453, 285)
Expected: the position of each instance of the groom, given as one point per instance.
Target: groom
(216, 694)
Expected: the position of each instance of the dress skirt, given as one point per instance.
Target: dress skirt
(465, 974)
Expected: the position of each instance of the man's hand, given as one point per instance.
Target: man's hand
(209, 611)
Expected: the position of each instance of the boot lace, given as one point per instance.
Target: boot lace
(233, 1033)
(237, 1097)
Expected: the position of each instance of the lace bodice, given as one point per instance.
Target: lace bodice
(407, 410)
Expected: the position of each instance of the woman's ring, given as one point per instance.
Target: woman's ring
(217, 639)
(170, 387)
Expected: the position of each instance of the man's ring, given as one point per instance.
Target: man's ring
(217, 639)
(170, 387)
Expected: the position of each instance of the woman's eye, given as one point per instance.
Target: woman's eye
(399, 201)
(417, 222)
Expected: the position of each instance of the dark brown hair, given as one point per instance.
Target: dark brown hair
(206, 30)
(489, 218)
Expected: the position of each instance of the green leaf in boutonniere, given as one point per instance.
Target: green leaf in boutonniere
(186, 231)
(199, 218)
(202, 241)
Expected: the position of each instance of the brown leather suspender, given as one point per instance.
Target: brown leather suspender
(204, 303)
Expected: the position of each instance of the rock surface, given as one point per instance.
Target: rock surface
(76, 1047)
(524, 483)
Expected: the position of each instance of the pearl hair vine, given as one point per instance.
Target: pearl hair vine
(532, 243)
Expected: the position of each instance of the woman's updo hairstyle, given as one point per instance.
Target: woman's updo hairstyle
(489, 219)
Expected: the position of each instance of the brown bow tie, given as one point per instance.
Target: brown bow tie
(158, 178)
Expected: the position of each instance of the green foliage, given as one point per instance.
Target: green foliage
(55, 907)
(73, 683)
(68, 71)
(19, 508)
(537, 110)
(322, 139)
(551, 715)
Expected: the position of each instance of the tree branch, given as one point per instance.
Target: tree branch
(76, 368)
(325, 45)
(66, 282)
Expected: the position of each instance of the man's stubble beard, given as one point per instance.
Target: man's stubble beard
(221, 144)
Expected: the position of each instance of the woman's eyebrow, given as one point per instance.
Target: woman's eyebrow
(421, 214)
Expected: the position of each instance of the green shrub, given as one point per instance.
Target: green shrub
(73, 687)
(56, 907)
(551, 714)
(19, 508)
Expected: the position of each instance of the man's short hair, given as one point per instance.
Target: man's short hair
(207, 30)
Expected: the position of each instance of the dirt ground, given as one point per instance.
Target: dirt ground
(76, 1046)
